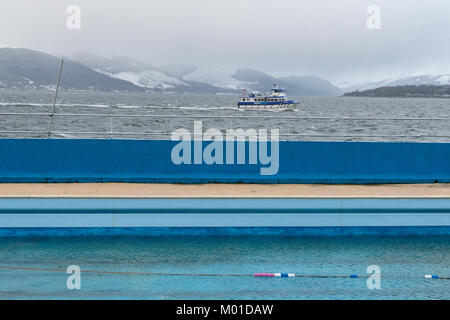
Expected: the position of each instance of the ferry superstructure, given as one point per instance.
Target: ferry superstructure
(276, 100)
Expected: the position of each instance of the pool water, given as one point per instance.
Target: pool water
(403, 261)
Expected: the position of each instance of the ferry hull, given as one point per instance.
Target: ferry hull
(278, 107)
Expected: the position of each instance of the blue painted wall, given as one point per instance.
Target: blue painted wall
(150, 161)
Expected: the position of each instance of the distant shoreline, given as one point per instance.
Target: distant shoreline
(408, 91)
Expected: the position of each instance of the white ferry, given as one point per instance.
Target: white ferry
(277, 100)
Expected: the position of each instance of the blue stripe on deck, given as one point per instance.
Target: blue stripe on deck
(274, 231)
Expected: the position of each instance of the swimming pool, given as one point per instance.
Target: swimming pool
(403, 261)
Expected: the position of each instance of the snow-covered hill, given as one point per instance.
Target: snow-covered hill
(217, 79)
(31, 69)
(150, 79)
(137, 72)
(189, 78)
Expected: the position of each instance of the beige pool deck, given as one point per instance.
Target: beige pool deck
(130, 190)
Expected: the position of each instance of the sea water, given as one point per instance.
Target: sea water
(427, 125)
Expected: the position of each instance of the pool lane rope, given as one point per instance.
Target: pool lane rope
(256, 275)
(294, 275)
(429, 276)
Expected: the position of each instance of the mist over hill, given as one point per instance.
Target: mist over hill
(295, 85)
(189, 78)
(29, 69)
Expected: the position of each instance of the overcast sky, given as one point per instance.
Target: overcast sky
(328, 38)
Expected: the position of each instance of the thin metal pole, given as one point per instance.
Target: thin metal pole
(110, 126)
(54, 101)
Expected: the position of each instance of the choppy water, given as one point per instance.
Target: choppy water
(196, 106)
(403, 261)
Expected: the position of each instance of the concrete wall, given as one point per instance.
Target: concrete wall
(150, 161)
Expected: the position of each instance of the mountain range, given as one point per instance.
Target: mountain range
(31, 69)
(192, 78)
